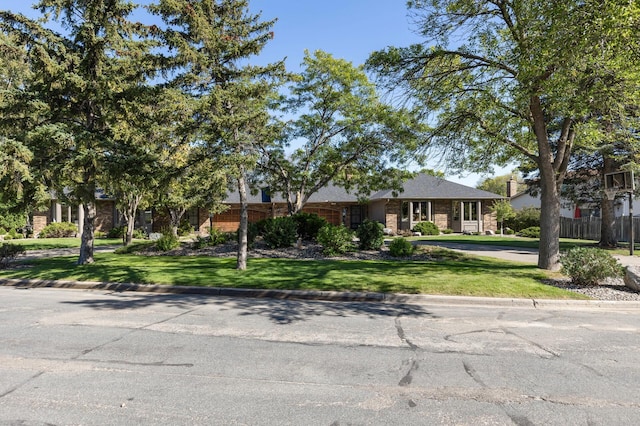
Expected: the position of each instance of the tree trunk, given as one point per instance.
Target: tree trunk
(549, 250)
(86, 242)
(130, 217)
(244, 223)
(607, 228)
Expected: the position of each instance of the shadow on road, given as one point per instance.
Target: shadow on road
(276, 310)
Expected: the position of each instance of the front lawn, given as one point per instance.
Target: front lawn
(53, 243)
(465, 276)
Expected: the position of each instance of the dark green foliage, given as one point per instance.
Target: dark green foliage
(8, 252)
(401, 247)
(426, 228)
(280, 232)
(185, 228)
(309, 225)
(139, 234)
(447, 231)
(371, 235)
(167, 241)
(335, 240)
(589, 266)
(59, 230)
(217, 237)
(531, 232)
(524, 218)
(116, 232)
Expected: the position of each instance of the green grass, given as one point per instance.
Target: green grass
(509, 241)
(455, 275)
(52, 243)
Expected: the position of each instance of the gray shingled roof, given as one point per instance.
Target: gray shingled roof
(421, 187)
(431, 187)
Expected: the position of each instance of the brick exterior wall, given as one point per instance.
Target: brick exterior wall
(489, 218)
(393, 215)
(105, 219)
(39, 221)
(442, 211)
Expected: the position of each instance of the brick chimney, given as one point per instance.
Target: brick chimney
(512, 187)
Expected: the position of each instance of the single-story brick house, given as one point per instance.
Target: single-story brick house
(425, 198)
(107, 216)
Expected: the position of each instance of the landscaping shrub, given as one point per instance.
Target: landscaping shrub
(185, 228)
(524, 218)
(167, 241)
(116, 232)
(59, 230)
(2, 231)
(589, 265)
(447, 231)
(217, 237)
(280, 232)
(532, 232)
(401, 247)
(139, 234)
(335, 240)
(15, 235)
(426, 228)
(309, 225)
(8, 252)
(371, 235)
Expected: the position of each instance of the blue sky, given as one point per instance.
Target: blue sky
(348, 29)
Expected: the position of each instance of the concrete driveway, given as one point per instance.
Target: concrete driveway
(516, 254)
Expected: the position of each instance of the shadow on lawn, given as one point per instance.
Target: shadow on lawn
(276, 310)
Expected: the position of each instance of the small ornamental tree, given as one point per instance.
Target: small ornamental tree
(503, 211)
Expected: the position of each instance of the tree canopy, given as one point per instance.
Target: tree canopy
(501, 80)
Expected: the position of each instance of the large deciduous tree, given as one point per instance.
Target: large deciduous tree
(79, 79)
(500, 80)
(211, 43)
(342, 134)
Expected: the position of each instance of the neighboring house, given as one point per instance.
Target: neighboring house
(107, 216)
(568, 208)
(425, 198)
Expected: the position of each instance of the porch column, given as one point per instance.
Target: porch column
(69, 214)
(429, 211)
(480, 217)
(58, 212)
(80, 220)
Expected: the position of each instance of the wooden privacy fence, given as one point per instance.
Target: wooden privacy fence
(588, 228)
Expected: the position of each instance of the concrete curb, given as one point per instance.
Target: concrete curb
(330, 296)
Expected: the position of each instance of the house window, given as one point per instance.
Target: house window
(420, 211)
(470, 210)
(405, 211)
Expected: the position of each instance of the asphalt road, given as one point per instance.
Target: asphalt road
(93, 358)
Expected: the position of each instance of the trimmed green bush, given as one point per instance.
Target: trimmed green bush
(116, 232)
(590, 265)
(167, 241)
(447, 231)
(371, 235)
(217, 237)
(185, 228)
(523, 219)
(335, 240)
(2, 231)
(401, 247)
(9, 252)
(426, 228)
(532, 232)
(59, 230)
(280, 232)
(309, 225)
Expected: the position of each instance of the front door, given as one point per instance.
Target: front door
(356, 216)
